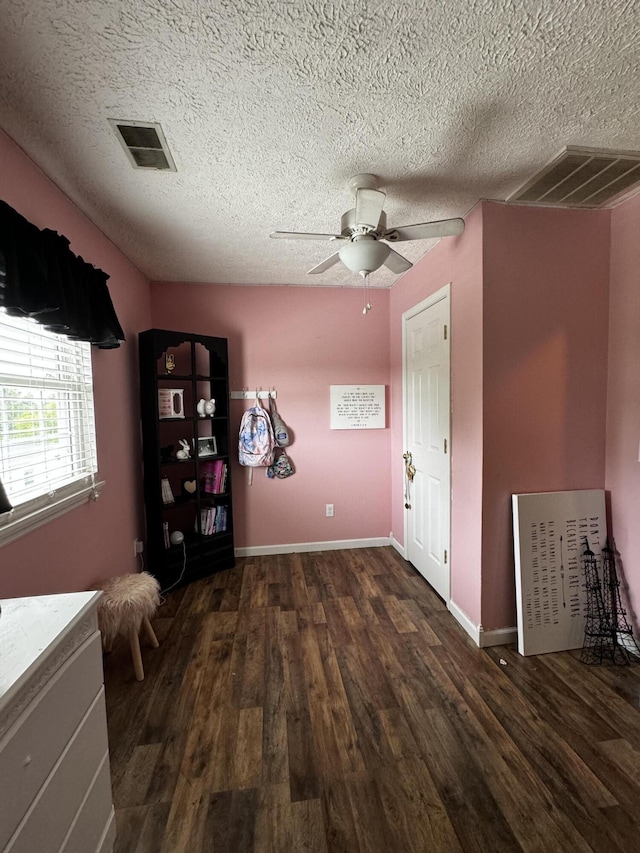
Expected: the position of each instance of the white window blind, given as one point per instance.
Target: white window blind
(47, 428)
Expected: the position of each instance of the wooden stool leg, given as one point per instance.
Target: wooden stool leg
(134, 642)
(151, 634)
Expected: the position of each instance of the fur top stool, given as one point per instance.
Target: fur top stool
(129, 601)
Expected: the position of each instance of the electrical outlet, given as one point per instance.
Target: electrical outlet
(329, 510)
(138, 546)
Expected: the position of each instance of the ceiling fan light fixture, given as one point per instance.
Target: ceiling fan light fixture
(363, 230)
(364, 255)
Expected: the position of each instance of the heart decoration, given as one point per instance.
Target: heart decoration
(189, 486)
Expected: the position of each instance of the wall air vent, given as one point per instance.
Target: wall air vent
(583, 177)
(144, 144)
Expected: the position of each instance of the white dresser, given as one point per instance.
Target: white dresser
(55, 786)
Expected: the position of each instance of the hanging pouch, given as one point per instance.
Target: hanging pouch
(281, 468)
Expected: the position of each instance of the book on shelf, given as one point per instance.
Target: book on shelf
(213, 519)
(221, 520)
(207, 475)
(167, 494)
(214, 477)
(218, 477)
(207, 520)
(165, 533)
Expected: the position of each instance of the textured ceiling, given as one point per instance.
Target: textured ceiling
(269, 108)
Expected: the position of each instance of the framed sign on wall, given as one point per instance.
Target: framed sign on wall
(549, 531)
(357, 407)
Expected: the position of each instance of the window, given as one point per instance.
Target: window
(48, 459)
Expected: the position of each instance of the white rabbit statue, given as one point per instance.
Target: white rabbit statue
(184, 452)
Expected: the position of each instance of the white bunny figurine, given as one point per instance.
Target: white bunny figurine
(200, 407)
(185, 452)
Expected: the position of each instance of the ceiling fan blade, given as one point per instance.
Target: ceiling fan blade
(299, 235)
(425, 230)
(369, 204)
(324, 265)
(396, 262)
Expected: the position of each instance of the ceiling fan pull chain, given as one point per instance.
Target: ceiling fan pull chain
(367, 304)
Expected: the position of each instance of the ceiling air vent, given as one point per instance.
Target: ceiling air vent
(583, 177)
(144, 144)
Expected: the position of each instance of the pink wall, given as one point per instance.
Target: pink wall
(95, 540)
(299, 340)
(459, 261)
(530, 330)
(623, 401)
(528, 379)
(546, 275)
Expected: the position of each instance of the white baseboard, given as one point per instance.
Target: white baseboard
(399, 548)
(498, 637)
(483, 639)
(303, 547)
(461, 617)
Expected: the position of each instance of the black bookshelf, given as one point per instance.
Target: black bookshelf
(177, 370)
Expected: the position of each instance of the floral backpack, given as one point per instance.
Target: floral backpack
(256, 442)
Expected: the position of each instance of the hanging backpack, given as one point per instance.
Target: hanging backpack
(256, 442)
(279, 426)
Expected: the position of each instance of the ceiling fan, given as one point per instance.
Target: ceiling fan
(363, 229)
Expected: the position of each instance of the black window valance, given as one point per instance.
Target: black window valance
(40, 277)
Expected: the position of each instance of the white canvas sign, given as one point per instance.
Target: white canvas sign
(357, 407)
(549, 530)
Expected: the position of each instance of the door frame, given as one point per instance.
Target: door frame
(433, 299)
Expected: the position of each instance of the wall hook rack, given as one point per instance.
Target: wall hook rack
(251, 395)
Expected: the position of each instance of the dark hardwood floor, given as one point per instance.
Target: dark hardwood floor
(329, 702)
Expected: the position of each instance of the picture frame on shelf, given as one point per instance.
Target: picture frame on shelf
(206, 446)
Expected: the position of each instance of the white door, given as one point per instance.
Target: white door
(427, 439)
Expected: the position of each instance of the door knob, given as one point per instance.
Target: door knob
(410, 468)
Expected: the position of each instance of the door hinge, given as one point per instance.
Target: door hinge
(445, 556)
(445, 332)
(445, 445)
